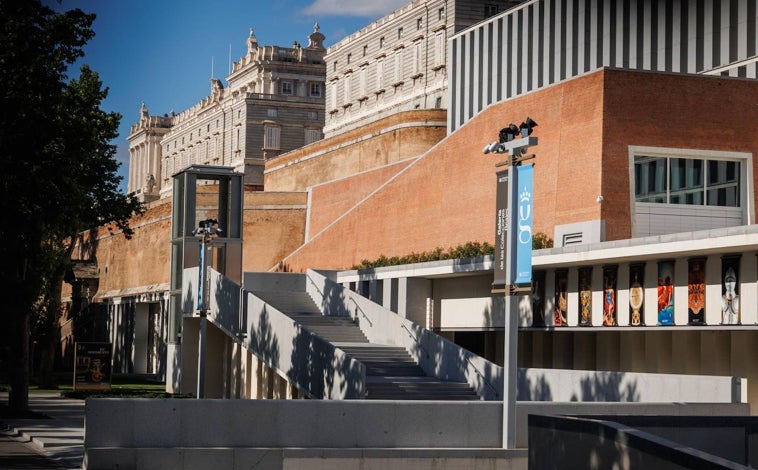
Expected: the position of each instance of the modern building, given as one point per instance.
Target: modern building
(273, 102)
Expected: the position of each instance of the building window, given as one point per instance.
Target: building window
(399, 33)
(441, 14)
(381, 42)
(362, 80)
(286, 88)
(397, 72)
(365, 51)
(271, 137)
(313, 115)
(316, 90)
(419, 23)
(689, 181)
(334, 67)
(683, 190)
(272, 113)
(312, 135)
(439, 48)
(379, 74)
(349, 57)
(417, 57)
(346, 92)
(333, 95)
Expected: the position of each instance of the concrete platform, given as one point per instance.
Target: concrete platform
(53, 442)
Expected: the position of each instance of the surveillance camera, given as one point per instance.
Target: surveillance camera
(486, 149)
(600, 199)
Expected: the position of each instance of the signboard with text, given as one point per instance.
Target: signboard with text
(92, 366)
(501, 231)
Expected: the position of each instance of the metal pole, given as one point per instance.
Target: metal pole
(203, 320)
(511, 317)
(201, 357)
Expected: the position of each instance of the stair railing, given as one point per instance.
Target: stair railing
(421, 346)
(476, 369)
(484, 379)
(359, 309)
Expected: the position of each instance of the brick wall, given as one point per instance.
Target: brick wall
(585, 126)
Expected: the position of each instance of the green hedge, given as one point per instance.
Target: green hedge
(467, 250)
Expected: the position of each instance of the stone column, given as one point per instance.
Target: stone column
(573, 314)
(681, 291)
(650, 307)
(598, 291)
(622, 295)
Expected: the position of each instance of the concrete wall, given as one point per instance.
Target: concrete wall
(313, 365)
(597, 386)
(693, 442)
(164, 433)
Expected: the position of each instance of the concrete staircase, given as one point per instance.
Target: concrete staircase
(391, 373)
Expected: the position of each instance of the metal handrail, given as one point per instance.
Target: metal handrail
(359, 309)
(478, 372)
(410, 333)
(315, 285)
(486, 382)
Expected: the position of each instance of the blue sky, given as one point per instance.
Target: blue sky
(161, 52)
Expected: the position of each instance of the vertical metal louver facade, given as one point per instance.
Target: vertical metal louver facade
(543, 42)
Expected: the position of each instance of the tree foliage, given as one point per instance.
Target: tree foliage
(59, 174)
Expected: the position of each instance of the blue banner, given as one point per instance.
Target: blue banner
(523, 232)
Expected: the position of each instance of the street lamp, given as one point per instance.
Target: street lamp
(513, 245)
(206, 231)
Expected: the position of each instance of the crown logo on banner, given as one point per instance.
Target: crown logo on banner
(525, 195)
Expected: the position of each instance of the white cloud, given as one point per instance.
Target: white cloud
(361, 8)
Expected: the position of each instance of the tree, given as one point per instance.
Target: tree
(59, 174)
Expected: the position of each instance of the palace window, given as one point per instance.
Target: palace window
(439, 48)
(316, 90)
(312, 135)
(362, 80)
(417, 57)
(272, 113)
(286, 88)
(271, 137)
(379, 74)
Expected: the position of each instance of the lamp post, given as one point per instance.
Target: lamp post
(206, 231)
(513, 257)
